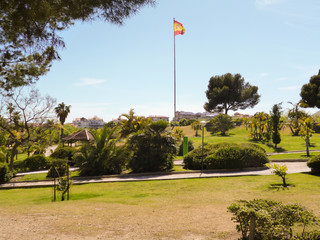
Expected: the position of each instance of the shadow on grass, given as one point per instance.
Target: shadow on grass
(279, 186)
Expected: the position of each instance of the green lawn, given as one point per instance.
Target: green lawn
(178, 209)
(296, 156)
(240, 135)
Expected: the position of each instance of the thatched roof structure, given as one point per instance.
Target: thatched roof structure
(82, 135)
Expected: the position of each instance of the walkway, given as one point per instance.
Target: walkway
(293, 167)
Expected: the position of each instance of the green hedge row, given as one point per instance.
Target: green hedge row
(226, 156)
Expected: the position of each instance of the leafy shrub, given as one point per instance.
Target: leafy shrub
(153, 149)
(63, 152)
(314, 164)
(36, 162)
(226, 156)
(58, 168)
(267, 219)
(313, 235)
(190, 148)
(103, 156)
(5, 174)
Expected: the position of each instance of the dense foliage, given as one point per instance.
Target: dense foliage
(314, 164)
(5, 174)
(221, 123)
(230, 92)
(276, 123)
(310, 92)
(63, 152)
(152, 149)
(36, 162)
(103, 156)
(29, 32)
(190, 148)
(226, 156)
(266, 219)
(58, 168)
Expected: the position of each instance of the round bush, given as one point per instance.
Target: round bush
(63, 152)
(5, 174)
(314, 164)
(36, 162)
(226, 156)
(58, 168)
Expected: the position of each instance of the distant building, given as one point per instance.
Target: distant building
(94, 122)
(157, 118)
(190, 115)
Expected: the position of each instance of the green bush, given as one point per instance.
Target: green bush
(58, 168)
(226, 156)
(36, 162)
(63, 152)
(153, 149)
(5, 174)
(267, 219)
(313, 235)
(314, 164)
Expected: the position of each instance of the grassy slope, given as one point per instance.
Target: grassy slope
(180, 209)
(239, 135)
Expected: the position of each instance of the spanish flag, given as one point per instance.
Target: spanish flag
(178, 28)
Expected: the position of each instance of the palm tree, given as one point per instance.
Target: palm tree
(196, 126)
(131, 123)
(62, 112)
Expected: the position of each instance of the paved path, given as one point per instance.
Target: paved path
(293, 167)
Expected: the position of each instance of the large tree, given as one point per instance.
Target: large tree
(23, 117)
(230, 92)
(29, 32)
(310, 92)
(294, 117)
(62, 111)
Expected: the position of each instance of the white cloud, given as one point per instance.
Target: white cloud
(266, 3)
(262, 75)
(289, 88)
(89, 82)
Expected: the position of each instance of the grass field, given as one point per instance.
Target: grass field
(179, 209)
(240, 135)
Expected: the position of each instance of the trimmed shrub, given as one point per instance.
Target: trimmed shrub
(35, 163)
(63, 152)
(226, 156)
(5, 174)
(58, 168)
(314, 164)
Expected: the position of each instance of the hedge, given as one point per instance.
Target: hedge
(226, 156)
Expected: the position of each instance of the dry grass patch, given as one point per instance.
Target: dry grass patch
(179, 209)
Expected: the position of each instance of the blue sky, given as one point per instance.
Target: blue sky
(107, 69)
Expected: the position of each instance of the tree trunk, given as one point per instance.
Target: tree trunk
(252, 227)
(13, 154)
(284, 182)
(307, 146)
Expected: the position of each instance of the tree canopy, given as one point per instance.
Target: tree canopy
(29, 39)
(310, 92)
(230, 92)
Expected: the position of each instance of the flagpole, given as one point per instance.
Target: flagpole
(174, 60)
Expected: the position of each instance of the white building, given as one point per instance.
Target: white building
(157, 118)
(94, 122)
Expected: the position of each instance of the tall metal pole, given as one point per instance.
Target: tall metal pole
(174, 64)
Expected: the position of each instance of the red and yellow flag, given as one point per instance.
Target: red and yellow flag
(178, 28)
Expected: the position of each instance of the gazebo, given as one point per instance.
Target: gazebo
(82, 135)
